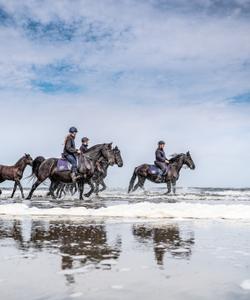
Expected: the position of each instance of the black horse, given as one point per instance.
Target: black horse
(47, 168)
(99, 175)
(64, 188)
(144, 172)
(101, 171)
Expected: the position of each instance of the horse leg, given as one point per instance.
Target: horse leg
(20, 188)
(74, 190)
(174, 186)
(34, 187)
(14, 190)
(92, 188)
(58, 194)
(140, 183)
(103, 186)
(169, 187)
(59, 191)
(143, 179)
(1, 180)
(97, 188)
(136, 186)
(52, 188)
(81, 189)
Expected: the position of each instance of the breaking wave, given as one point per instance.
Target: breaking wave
(146, 210)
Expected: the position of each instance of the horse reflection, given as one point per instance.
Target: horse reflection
(13, 230)
(78, 244)
(165, 239)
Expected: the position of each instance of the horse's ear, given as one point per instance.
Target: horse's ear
(116, 148)
(110, 145)
(188, 153)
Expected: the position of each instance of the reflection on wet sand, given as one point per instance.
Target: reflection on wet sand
(166, 238)
(79, 245)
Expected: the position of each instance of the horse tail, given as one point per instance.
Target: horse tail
(36, 165)
(132, 181)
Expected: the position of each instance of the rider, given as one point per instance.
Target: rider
(160, 159)
(85, 144)
(70, 152)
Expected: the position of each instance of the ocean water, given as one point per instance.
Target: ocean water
(189, 203)
(194, 245)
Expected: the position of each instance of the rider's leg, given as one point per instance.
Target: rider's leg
(165, 169)
(161, 166)
(73, 162)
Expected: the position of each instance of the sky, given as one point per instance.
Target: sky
(131, 72)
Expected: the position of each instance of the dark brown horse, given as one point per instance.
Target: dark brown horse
(47, 168)
(102, 172)
(15, 173)
(144, 172)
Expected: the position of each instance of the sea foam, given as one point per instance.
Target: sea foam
(180, 210)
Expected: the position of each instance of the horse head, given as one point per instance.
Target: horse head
(118, 157)
(189, 161)
(183, 159)
(108, 153)
(28, 159)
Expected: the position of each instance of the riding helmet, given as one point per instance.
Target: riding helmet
(161, 143)
(73, 129)
(85, 139)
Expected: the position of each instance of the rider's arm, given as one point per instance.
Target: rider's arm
(159, 156)
(69, 147)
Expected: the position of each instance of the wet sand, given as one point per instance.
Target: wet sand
(114, 258)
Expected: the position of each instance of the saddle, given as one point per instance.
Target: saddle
(63, 165)
(154, 170)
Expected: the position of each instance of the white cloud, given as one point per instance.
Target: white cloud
(148, 74)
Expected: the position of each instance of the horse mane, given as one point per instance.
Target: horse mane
(93, 150)
(94, 147)
(19, 161)
(175, 157)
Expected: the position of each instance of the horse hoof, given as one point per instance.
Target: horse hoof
(81, 198)
(86, 195)
(167, 193)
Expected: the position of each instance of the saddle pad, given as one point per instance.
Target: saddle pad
(153, 170)
(63, 165)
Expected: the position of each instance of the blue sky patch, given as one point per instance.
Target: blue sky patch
(5, 18)
(242, 98)
(60, 87)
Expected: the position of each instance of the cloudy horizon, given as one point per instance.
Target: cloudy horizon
(131, 72)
